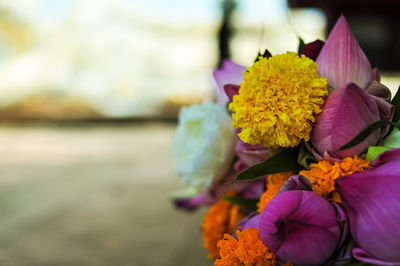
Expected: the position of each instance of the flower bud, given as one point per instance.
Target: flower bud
(300, 227)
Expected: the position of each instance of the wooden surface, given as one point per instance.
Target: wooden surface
(93, 196)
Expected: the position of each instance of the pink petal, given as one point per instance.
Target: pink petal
(346, 112)
(231, 90)
(249, 189)
(250, 221)
(300, 227)
(364, 256)
(386, 111)
(229, 74)
(379, 90)
(296, 182)
(341, 60)
(252, 154)
(387, 160)
(372, 202)
(376, 74)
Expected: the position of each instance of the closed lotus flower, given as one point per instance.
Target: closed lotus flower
(372, 202)
(347, 112)
(358, 99)
(301, 227)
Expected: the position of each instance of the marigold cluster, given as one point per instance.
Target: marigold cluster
(274, 183)
(323, 174)
(278, 100)
(221, 218)
(247, 249)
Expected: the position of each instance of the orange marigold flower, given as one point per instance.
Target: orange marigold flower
(274, 183)
(247, 249)
(323, 174)
(221, 218)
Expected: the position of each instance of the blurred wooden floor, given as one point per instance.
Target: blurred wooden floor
(93, 196)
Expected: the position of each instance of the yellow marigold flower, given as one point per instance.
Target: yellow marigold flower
(323, 174)
(247, 249)
(274, 183)
(221, 218)
(278, 100)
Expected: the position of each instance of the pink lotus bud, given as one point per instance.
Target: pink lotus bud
(301, 227)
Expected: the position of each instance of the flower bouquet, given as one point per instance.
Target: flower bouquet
(299, 159)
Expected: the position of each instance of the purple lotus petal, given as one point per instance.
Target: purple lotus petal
(250, 220)
(300, 226)
(341, 60)
(312, 49)
(296, 182)
(386, 110)
(346, 112)
(252, 154)
(204, 198)
(363, 256)
(379, 90)
(239, 166)
(249, 189)
(372, 202)
(376, 74)
(229, 74)
(344, 254)
(387, 160)
(320, 157)
(342, 221)
(231, 90)
(254, 188)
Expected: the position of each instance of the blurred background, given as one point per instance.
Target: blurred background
(90, 92)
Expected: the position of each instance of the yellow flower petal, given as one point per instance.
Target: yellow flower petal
(278, 100)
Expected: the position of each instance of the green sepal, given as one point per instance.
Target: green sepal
(266, 54)
(305, 157)
(248, 203)
(302, 44)
(375, 151)
(283, 161)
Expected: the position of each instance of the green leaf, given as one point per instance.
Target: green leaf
(266, 54)
(283, 161)
(301, 45)
(248, 203)
(375, 151)
(396, 103)
(364, 134)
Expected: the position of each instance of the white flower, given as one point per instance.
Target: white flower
(393, 140)
(203, 145)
